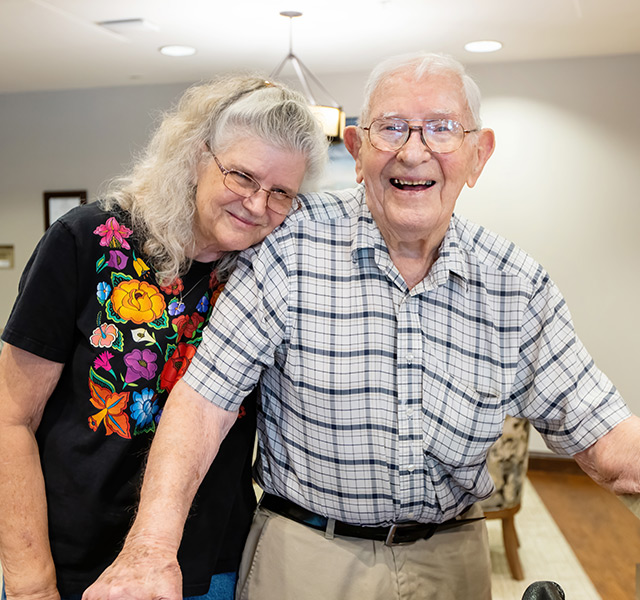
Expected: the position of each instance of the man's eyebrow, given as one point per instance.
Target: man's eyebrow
(434, 114)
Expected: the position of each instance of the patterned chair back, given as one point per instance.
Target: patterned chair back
(508, 461)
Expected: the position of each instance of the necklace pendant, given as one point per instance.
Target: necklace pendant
(176, 307)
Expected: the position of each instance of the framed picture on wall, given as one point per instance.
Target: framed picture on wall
(57, 204)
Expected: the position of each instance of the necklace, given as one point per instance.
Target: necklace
(177, 306)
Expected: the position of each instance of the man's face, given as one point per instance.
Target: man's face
(412, 192)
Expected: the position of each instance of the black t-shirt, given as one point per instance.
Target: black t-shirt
(88, 299)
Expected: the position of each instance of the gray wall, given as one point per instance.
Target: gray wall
(562, 183)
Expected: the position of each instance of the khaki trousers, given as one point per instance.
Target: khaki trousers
(284, 560)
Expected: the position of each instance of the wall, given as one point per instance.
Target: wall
(561, 184)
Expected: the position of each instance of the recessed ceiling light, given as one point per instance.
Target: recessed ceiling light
(483, 46)
(177, 50)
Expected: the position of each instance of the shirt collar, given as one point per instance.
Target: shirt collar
(368, 241)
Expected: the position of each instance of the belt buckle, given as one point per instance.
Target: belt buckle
(391, 534)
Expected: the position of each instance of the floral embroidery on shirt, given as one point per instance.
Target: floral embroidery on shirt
(176, 365)
(137, 301)
(104, 336)
(113, 235)
(144, 336)
(111, 405)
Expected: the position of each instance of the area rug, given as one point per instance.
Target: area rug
(544, 553)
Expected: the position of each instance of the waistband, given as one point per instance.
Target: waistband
(398, 533)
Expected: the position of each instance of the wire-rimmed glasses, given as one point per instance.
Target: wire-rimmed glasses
(441, 136)
(246, 186)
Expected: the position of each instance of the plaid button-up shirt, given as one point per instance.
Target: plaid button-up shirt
(378, 402)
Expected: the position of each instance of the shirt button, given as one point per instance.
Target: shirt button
(409, 358)
(411, 468)
(411, 515)
(409, 411)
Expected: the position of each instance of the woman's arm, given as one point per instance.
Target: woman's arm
(188, 438)
(614, 460)
(26, 382)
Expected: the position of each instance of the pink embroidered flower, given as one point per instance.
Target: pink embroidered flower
(104, 336)
(113, 234)
(103, 361)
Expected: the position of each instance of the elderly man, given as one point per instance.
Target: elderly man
(390, 343)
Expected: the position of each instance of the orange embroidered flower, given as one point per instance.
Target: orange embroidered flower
(111, 405)
(137, 301)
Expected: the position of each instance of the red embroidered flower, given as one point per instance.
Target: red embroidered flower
(187, 325)
(176, 366)
(174, 288)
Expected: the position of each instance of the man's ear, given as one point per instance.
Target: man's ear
(485, 145)
(353, 143)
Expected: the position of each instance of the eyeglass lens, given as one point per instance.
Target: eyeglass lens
(243, 185)
(441, 135)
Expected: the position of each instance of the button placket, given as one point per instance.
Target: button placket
(409, 349)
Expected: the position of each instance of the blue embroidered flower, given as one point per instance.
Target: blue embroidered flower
(104, 291)
(176, 307)
(203, 305)
(144, 407)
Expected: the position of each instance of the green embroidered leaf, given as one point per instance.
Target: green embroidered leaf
(150, 428)
(170, 350)
(119, 343)
(111, 314)
(118, 278)
(95, 377)
(161, 322)
(101, 263)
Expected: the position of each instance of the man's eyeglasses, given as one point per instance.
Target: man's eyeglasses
(246, 186)
(441, 136)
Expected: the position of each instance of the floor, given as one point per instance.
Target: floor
(601, 530)
(544, 553)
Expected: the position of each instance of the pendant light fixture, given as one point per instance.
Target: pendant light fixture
(331, 116)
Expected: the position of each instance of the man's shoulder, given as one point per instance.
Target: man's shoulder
(496, 252)
(329, 205)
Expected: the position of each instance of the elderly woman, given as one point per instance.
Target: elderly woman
(110, 310)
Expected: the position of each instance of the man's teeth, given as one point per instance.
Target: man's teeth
(425, 182)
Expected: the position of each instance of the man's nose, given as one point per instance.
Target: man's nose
(416, 147)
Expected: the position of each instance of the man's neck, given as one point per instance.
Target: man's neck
(413, 266)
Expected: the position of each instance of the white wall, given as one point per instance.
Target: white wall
(562, 183)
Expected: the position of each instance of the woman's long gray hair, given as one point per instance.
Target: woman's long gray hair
(159, 191)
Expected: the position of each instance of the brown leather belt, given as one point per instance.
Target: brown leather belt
(398, 533)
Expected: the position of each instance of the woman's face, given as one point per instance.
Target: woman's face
(225, 221)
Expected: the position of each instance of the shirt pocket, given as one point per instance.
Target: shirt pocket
(460, 420)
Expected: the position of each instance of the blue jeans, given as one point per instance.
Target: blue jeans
(222, 588)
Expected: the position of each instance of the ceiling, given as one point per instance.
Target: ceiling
(57, 44)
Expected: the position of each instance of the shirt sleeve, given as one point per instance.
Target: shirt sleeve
(246, 329)
(558, 386)
(42, 320)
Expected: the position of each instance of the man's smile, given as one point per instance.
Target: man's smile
(404, 184)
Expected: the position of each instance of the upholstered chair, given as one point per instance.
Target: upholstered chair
(508, 461)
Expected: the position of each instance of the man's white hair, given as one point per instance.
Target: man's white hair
(420, 64)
